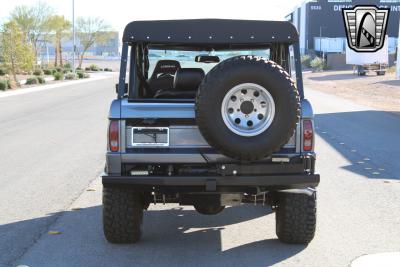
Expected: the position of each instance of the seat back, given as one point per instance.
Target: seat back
(163, 82)
(188, 79)
(186, 82)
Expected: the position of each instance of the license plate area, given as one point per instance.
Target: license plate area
(150, 136)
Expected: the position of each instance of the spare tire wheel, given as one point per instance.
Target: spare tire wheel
(247, 107)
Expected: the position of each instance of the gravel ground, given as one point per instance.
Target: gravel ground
(380, 92)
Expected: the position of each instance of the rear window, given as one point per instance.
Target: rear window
(187, 58)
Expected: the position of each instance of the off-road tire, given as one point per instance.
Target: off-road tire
(208, 209)
(239, 70)
(295, 218)
(122, 215)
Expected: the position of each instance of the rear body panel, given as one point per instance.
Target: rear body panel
(288, 168)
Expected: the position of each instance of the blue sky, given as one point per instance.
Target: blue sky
(119, 12)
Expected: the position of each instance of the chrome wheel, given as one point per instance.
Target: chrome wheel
(248, 109)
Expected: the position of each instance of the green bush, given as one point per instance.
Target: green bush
(317, 64)
(3, 72)
(107, 69)
(41, 79)
(67, 65)
(58, 76)
(70, 76)
(87, 69)
(48, 72)
(94, 67)
(78, 68)
(80, 74)
(3, 85)
(59, 69)
(306, 61)
(38, 72)
(65, 71)
(32, 80)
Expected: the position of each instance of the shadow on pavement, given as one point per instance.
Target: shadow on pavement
(390, 82)
(368, 139)
(172, 237)
(339, 76)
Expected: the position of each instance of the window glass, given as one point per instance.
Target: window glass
(187, 58)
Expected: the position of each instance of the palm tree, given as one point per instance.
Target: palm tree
(60, 27)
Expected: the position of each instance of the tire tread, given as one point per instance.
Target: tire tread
(296, 218)
(122, 215)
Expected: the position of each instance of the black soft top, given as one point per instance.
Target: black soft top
(210, 32)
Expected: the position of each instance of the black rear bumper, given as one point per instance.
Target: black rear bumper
(213, 183)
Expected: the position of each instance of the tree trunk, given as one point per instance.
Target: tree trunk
(56, 55)
(81, 59)
(13, 68)
(60, 50)
(85, 48)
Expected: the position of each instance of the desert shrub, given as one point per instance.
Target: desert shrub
(48, 72)
(306, 61)
(78, 68)
(80, 74)
(58, 76)
(38, 72)
(67, 65)
(107, 69)
(94, 67)
(317, 64)
(3, 85)
(59, 69)
(65, 71)
(86, 75)
(70, 76)
(41, 79)
(12, 84)
(3, 71)
(87, 69)
(391, 69)
(32, 80)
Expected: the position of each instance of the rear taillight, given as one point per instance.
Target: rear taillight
(308, 135)
(113, 136)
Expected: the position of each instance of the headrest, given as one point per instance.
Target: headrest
(165, 66)
(188, 79)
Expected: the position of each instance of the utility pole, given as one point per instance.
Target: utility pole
(320, 39)
(398, 56)
(73, 36)
(320, 43)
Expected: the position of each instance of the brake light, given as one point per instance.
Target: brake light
(113, 136)
(308, 135)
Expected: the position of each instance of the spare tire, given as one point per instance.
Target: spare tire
(247, 107)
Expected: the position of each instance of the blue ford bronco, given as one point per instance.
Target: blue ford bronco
(210, 113)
